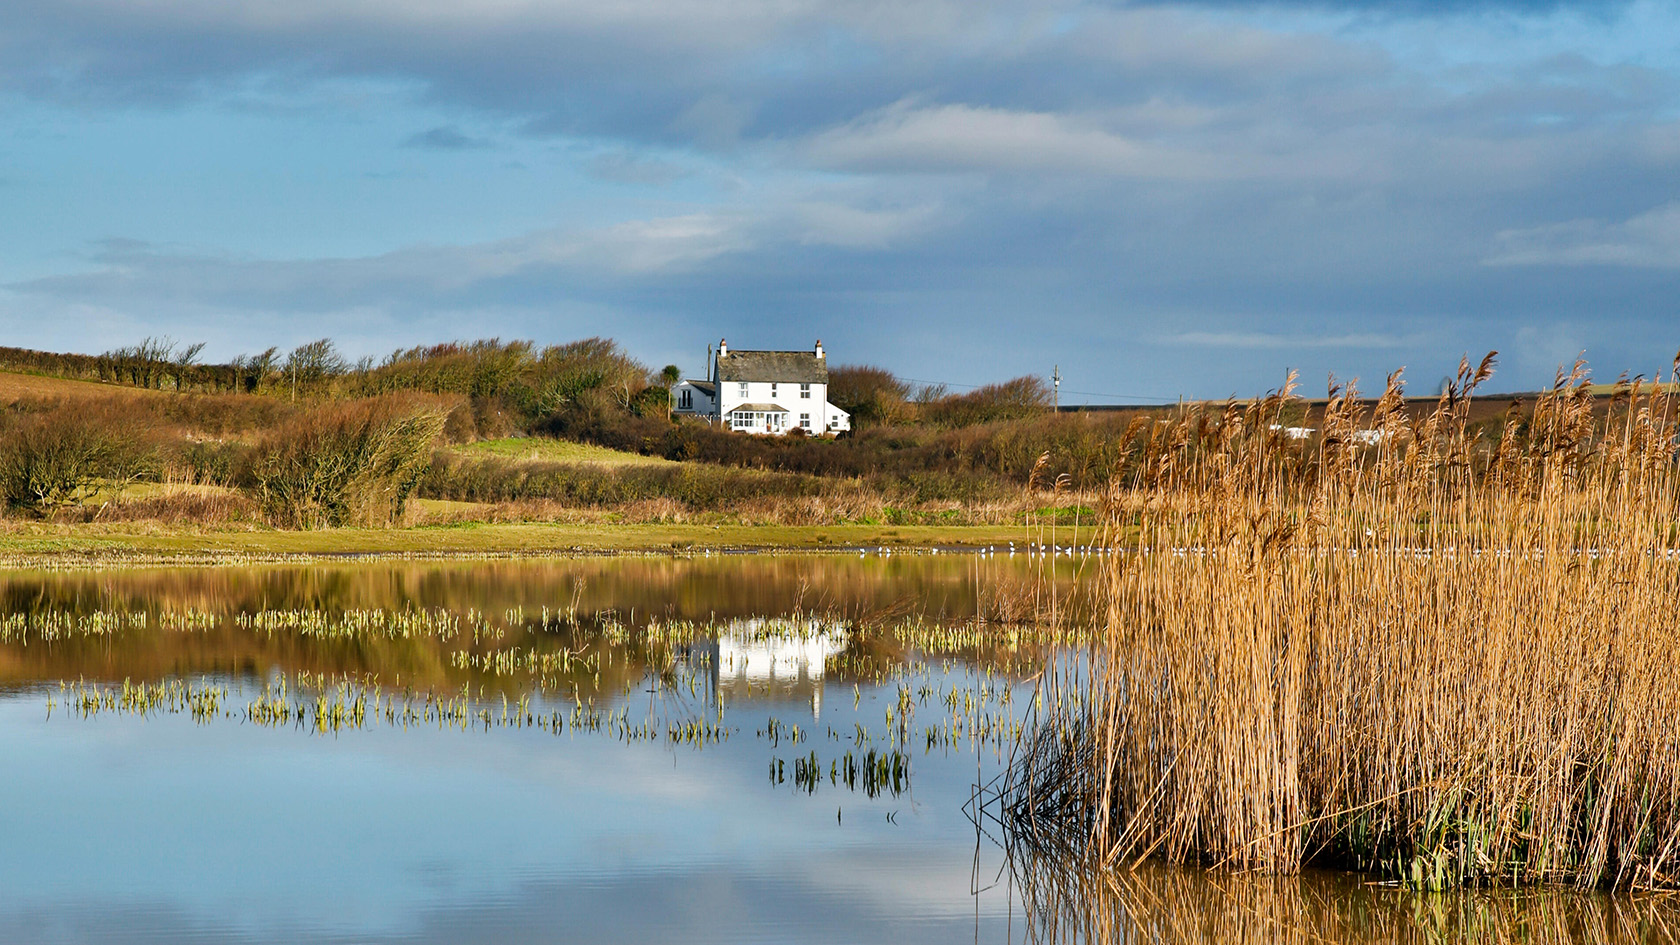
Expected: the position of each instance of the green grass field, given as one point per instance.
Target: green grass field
(558, 451)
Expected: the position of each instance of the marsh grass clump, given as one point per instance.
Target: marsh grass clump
(1393, 646)
(347, 464)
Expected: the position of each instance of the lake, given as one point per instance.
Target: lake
(722, 748)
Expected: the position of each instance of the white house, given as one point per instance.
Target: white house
(764, 392)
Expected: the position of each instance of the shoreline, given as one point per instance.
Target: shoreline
(79, 546)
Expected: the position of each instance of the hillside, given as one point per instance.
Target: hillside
(492, 432)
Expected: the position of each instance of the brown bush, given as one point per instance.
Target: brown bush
(347, 464)
(64, 456)
(1018, 399)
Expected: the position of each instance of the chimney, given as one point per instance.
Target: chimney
(819, 348)
(723, 347)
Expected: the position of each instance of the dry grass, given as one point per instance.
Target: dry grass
(1444, 659)
(179, 504)
(15, 387)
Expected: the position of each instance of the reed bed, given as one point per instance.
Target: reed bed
(1394, 646)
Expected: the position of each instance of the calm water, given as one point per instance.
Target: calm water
(725, 749)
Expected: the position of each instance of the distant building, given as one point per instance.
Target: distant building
(770, 392)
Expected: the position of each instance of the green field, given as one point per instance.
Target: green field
(558, 451)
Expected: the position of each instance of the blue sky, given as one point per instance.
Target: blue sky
(1165, 199)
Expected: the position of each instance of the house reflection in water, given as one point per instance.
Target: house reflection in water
(780, 656)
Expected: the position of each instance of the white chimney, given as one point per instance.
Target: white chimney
(819, 348)
(723, 347)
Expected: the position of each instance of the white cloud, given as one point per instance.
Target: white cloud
(906, 137)
(834, 224)
(126, 273)
(1650, 240)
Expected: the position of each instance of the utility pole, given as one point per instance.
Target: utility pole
(1056, 379)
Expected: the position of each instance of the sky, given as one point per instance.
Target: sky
(1162, 200)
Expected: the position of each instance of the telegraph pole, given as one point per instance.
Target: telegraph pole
(1056, 379)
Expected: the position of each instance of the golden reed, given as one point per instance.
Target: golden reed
(1395, 643)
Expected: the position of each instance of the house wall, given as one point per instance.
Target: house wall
(807, 405)
(701, 403)
(823, 416)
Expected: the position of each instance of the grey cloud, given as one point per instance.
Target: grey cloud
(444, 138)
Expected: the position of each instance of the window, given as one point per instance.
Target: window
(805, 420)
(804, 392)
(772, 389)
(686, 400)
(743, 389)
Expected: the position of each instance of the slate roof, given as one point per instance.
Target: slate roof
(759, 408)
(786, 367)
(705, 387)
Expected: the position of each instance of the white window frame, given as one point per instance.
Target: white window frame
(804, 392)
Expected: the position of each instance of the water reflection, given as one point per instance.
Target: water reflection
(769, 655)
(1185, 906)
(559, 604)
(455, 815)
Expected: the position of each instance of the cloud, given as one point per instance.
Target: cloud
(644, 252)
(833, 224)
(1278, 342)
(626, 167)
(412, 280)
(1079, 173)
(1650, 240)
(444, 138)
(1432, 8)
(968, 138)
